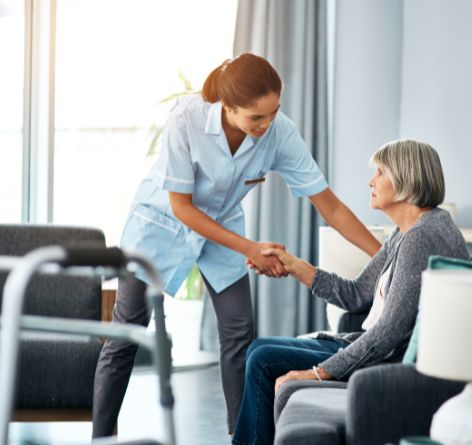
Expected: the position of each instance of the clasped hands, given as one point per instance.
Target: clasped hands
(270, 259)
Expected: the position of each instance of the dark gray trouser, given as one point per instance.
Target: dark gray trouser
(233, 309)
(235, 321)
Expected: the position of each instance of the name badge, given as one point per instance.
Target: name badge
(254, 181)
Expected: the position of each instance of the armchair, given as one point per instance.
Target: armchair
(56, 372)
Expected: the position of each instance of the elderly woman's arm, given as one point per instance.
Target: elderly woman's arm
(398, 316)
(393, 327)
(352, 295)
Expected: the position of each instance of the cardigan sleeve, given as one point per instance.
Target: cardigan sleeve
(398, 316)
(352, 295)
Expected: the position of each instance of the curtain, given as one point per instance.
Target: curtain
(292, 35)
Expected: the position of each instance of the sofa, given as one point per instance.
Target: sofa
(378, 405)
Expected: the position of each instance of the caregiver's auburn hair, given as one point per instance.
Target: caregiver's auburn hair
(239, 82)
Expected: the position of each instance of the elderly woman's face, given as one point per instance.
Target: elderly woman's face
(382, 193)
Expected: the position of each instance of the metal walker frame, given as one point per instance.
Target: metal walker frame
(107, 263)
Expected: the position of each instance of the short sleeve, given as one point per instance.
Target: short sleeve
(173, 170)
(296, 165)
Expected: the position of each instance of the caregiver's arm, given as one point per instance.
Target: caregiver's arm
(199, 222)
(341, 218)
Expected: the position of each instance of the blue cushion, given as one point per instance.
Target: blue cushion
(434, 262)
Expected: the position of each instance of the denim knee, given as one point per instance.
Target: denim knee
(259, 357)
(257, 343)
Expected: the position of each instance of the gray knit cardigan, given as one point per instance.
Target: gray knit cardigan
(434, 234)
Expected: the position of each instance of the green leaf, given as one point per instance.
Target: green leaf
(194, 284)
(175, 96)
(154, 133)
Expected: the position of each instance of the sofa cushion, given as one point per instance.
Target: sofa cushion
(434, 262)
(313, 416)
(286, 391)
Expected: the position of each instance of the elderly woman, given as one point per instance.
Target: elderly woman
(408, 185)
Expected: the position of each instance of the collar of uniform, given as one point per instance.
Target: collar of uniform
(213, 124)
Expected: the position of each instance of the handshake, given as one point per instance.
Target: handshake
(272, 260)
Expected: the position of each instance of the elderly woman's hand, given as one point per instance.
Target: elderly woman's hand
(299, 269)
(308, 374)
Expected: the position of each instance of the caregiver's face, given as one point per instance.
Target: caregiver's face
(256, 119)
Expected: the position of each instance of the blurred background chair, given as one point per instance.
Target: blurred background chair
(56, 372)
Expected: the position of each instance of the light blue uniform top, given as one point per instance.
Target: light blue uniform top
(195, 158)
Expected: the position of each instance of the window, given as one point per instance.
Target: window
(12, 43)
(115, 62)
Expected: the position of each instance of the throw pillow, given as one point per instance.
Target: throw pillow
(434, 262)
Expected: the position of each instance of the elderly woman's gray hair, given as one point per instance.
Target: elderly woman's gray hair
(415, 170)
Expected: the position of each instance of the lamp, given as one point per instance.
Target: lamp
(445, 349)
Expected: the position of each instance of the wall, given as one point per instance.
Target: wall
(367, 91)
(437, 90)
(402, 70)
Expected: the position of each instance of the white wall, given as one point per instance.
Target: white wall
(437, 90)
(403, 69)
(367, 90)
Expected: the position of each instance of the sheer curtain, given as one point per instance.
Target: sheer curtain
(292, 35)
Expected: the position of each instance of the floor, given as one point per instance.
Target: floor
(199, 413)
(200, 416)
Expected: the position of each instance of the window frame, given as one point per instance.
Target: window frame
(38, 111)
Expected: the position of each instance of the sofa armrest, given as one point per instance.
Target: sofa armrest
(388, 402)
(286, 390)
(351, 322)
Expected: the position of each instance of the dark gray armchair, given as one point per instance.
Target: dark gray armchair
(378, 405)
(56, 372)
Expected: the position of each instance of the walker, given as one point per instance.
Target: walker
(107, 263)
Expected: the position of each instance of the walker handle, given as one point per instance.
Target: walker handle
(94, 256)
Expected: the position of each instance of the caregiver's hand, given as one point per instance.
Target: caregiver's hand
(296, 267)
(267, 265)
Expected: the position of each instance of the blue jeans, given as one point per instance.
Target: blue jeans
(266, 360)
